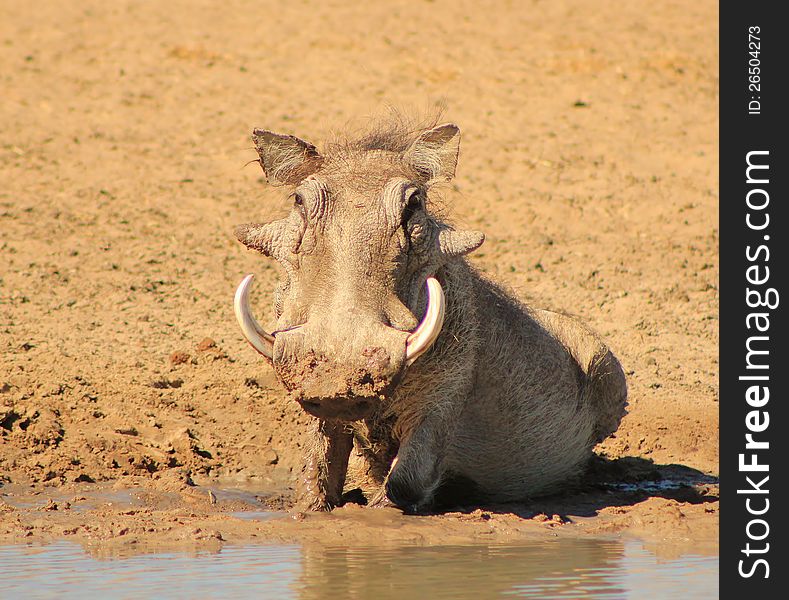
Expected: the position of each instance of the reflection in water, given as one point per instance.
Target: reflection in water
(554, 569)
(63, 570)
(568, 568)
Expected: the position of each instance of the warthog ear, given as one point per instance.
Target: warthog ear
(285, 158)
(434, 154)
(457, 243)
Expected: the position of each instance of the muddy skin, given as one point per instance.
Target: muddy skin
(323, 479)
(498, 389)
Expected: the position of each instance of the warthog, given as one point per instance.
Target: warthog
(483, 397)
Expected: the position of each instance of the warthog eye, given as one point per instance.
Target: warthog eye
(412, 206)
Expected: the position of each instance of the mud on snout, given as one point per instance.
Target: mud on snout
(341, 379)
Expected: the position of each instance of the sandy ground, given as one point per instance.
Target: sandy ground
(589, 158)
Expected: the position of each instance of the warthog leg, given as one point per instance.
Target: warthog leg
(323, 477)
(416, 471)
(380, 499)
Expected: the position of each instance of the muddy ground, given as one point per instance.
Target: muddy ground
(589, 158)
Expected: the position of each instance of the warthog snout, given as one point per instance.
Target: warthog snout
(334, 374)
(341, 365)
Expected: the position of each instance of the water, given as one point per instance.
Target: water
(554, 569)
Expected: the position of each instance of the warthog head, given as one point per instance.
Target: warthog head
(360, 301)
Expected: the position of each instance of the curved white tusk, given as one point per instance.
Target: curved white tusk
(260, 340)
(423, 336)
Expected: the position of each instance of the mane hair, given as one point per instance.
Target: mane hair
(394, 133)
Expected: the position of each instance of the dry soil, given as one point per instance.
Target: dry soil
(589, 158)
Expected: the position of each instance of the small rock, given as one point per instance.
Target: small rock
(206, 344)
(50, 475)
(270, 456)
(179, 358)
(127, 430)
(164, 383)
(213, 534)
(559, 520)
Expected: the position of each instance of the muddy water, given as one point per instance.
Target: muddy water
(546, 569)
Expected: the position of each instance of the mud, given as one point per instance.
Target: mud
(141, 515)
(588, 158)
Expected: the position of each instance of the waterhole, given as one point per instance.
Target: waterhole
(566, 568)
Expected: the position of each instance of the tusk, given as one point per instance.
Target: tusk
(423, 336)
(260, 340)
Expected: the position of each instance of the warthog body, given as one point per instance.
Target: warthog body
(501, 403)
